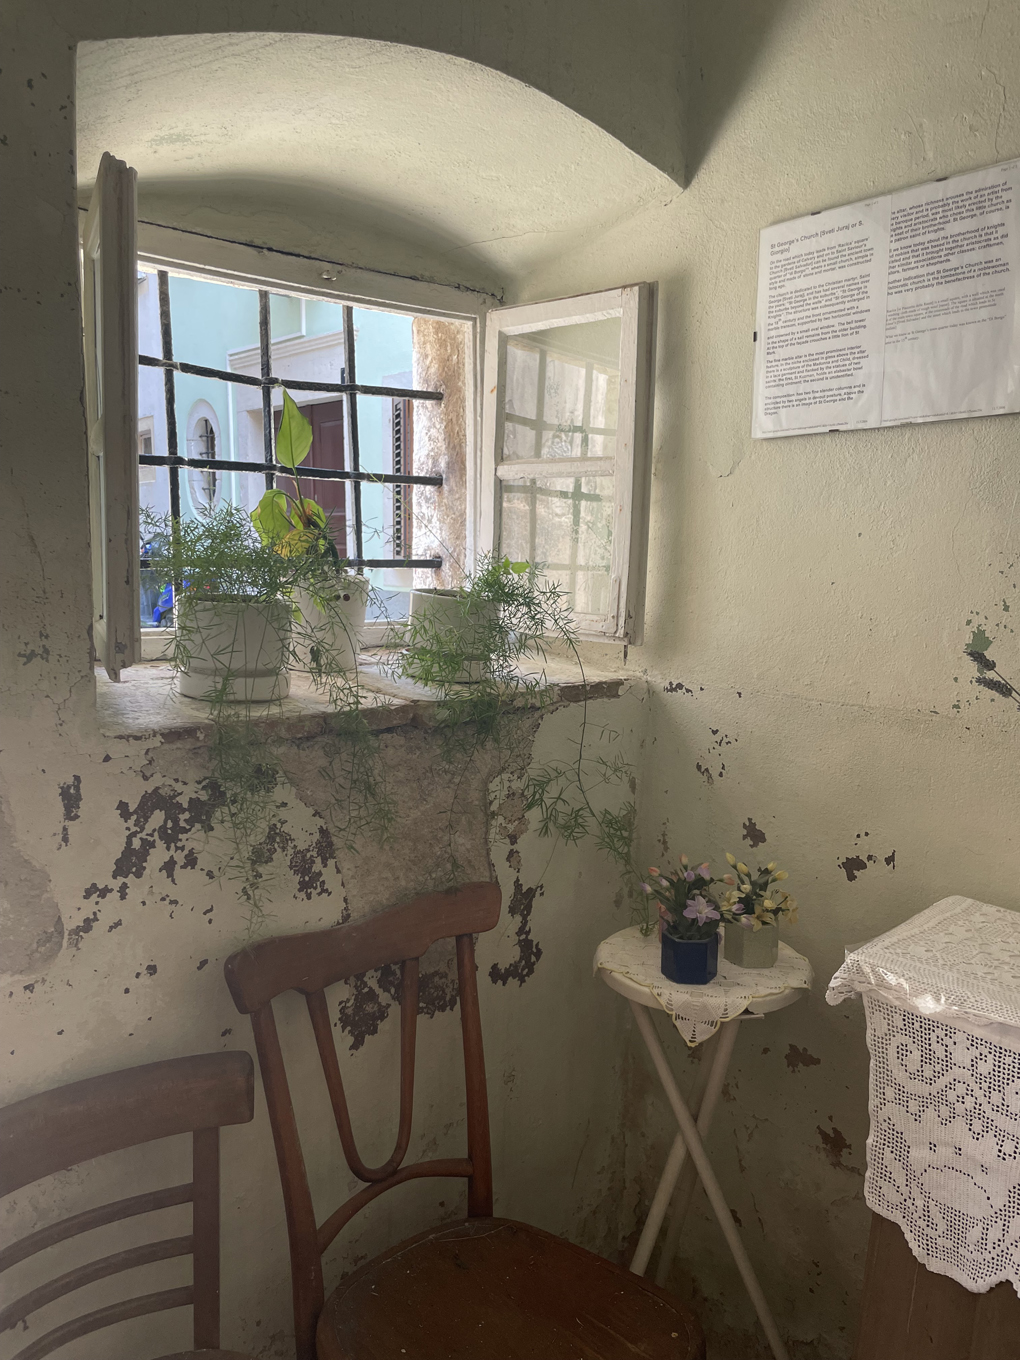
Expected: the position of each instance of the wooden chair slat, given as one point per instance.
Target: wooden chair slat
(305, 1262)
(450, 1166)
(71, 1124)
(92, 1270)
(318, 1013)
(309, 962)
(480, 1183)
(205, 1228)
(105, 1317)
(93, 1218)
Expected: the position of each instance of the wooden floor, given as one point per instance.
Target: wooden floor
(910, 1313)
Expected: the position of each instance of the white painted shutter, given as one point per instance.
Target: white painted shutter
(573, 460)
(111, 402)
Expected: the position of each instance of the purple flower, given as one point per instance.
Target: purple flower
(737, 908)
(748, 922)
(665, 882)
(690, 875)
(699, 910)
(646, 888)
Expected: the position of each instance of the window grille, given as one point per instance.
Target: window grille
(208, 464)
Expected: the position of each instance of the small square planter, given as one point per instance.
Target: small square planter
(690, 961)
(751, 948)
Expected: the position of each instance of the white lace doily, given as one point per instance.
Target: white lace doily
(944, 1146)
(698, 1011)
(959, 959)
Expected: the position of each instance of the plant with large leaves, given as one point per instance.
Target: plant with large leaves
(294, 525)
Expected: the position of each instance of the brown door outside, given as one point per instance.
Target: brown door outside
(327, 451)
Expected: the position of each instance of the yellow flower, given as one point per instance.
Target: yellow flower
(771, 866)
(781, 875)
(742, 867)
(731, 860)
(767, 905)
(756, 924)
(683, 859)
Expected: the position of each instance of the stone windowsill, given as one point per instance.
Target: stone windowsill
(145, 703)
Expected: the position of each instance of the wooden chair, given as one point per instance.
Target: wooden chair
(58, 1129)
(481, 1289)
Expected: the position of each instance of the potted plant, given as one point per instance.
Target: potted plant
(688, 922)
(233, 618)
(753, 906)
(456, 623)
(331, 598)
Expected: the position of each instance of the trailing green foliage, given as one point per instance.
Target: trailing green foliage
(484, 654)
(219, 558)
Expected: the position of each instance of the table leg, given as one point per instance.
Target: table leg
(712, 1188)
(689, 1176)
(704, 1099)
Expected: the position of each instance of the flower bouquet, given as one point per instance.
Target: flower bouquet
(752, 908)
(688, 922)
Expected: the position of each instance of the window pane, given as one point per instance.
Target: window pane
(211, 322)
(565, 524)
(562, 392)
(382, 345)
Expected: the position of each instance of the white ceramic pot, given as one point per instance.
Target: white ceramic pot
(330, 637)
(446, 611)
(237, 648)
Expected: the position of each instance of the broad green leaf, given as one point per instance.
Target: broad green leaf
(314, 514)
(270, 517)
(518, 568)
(295, 436)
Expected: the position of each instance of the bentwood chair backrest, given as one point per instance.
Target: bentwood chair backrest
(58, 1129)
(309, 963)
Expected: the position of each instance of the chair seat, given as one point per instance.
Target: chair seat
(494, 1289)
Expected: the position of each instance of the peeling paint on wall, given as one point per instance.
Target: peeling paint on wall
(529, 952)
(753, 834)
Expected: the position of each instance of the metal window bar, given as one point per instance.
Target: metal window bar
(270, 468)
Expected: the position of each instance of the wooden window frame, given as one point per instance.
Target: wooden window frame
(635, 305)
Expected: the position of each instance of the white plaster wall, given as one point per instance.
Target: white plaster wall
(811, 594)
(148, 924)
(808, 601)
(72, 1004)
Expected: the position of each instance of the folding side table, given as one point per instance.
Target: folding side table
(630, 965)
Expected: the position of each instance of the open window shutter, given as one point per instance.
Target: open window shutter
(566, 422)
(111, 402)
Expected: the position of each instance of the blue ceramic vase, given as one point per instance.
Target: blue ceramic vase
(690, 961)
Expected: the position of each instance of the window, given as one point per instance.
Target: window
(567, 416)
(203, 444)
(389, 373)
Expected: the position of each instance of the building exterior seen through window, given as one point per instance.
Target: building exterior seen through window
(214, 359)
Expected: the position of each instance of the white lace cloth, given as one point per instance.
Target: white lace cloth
(698, 1011)
(942, 999)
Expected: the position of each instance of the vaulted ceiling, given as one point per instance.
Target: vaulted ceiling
(375, 152)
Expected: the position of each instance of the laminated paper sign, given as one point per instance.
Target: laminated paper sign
(901, 308)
